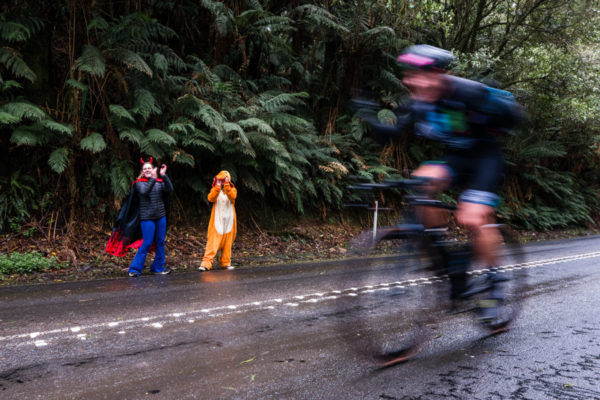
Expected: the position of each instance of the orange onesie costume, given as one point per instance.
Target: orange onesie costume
(222, 227)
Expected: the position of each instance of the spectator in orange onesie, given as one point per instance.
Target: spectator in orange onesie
(222, 226)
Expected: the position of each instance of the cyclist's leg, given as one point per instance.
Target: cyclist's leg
(476, 212)
(440, 177)
(454, 262)
(479, 219)
(477, 204)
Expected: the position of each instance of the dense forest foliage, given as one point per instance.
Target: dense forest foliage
(260, 88)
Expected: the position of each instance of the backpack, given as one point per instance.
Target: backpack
(502, 109)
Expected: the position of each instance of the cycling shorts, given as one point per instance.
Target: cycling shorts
(479, 170)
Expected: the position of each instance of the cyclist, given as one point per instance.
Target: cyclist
(466, 116)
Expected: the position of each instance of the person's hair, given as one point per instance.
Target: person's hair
(141, 175)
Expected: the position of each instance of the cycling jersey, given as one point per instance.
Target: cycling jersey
(467, 119)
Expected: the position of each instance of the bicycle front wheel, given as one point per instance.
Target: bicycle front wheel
(397, 297)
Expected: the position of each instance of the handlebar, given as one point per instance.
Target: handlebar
(417, 199)
(392, 184)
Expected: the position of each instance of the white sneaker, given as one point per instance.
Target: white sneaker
(230, 267)
(202, 269)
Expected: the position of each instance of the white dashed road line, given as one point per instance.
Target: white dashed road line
(159, 321)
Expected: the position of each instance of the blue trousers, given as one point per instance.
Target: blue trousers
(153, 230)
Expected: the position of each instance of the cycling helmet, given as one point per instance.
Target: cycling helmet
(424, 56)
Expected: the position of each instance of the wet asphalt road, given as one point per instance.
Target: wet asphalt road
(274, 333)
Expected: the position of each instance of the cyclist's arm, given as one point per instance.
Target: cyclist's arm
(383, 133)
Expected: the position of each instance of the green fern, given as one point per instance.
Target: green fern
(13, 61)
(25, 136)
(160, 137)
(7, 118)
(132, 135)
(121, 177)
(13, 32)
(130, 59)
(77, 85)
(98, 24)
(145, 104)
(24, 111)
(91, 61)
(117, 111)
(94, 142)
(59, 159)
(53, 126)
(319, 17)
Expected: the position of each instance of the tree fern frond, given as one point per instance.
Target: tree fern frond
(371, 34)
(53, 126)
(91, 61)
(183, 127)
(199, 110)
(319, 17)
(268, 145)
(310, 188)
(391, 80)
(160, 137)
(153, 149)
(7, 118)
(537, 150)
(255, 5)
(59, 159)
(94, 143)
(215, 7)
(203, 70)
(226, 73)
(13, 32)
(12, 61)
(288, 121)
(98, 24)
(23, 110)
(25, 136)
(152, 49)
(198, 138)
(33, 24)
(299, 202)
(298, 158)
(251, 182)
(281, 101)
(77, 85)
(246, 147)
(161, 64)
(357, 129)
(256, 124)
(145, 104)
(132, 135)
(118, 111)
(121, 176)
(130, 59)
(8, 85)
(276, 24)
(295, 173)
(269, 82)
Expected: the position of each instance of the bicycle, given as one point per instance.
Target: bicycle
(427, 280)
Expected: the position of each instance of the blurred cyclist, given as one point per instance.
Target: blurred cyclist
(466, 116)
